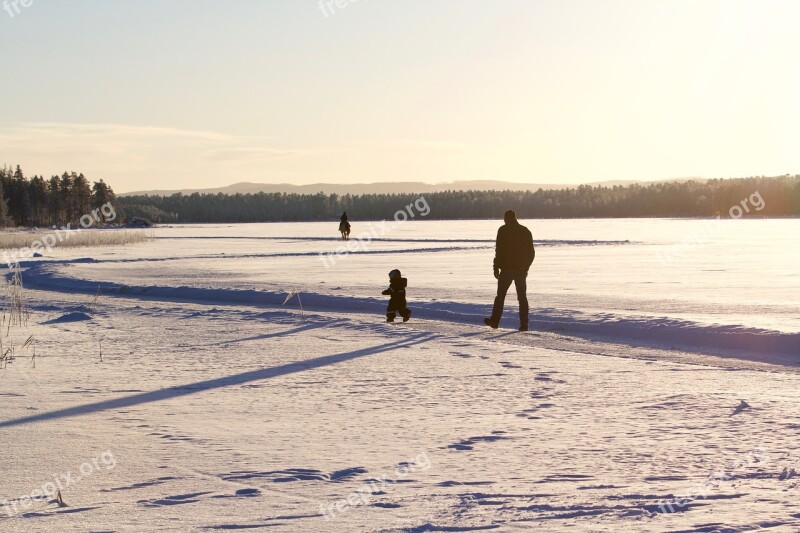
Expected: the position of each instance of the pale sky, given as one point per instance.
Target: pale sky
(170, 94)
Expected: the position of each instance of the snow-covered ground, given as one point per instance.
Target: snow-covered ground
(192, 398)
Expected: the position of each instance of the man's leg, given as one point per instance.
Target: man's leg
(521, 283)
(503, 284)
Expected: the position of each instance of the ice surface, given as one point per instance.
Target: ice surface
(735, 291)
(224, 408)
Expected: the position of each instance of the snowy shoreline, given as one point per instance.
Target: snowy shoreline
(748, 343)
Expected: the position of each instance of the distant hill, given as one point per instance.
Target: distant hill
(374, 188)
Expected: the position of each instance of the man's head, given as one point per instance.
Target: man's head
(510, 217)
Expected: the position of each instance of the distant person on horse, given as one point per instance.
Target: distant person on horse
(344, 227)
(514, 254)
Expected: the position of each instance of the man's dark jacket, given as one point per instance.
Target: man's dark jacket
(514, 247)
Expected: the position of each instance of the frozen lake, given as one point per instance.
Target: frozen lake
(712, 284)
(175, 389)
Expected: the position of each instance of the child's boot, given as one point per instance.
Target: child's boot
(390, 317)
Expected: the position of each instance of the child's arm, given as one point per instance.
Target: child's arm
(388, 291)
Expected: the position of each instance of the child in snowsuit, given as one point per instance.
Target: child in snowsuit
(397, 302)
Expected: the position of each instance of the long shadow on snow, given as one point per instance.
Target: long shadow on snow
(228, 381)
(286, 333)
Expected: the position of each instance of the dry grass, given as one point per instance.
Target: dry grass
(10, 240)
(95, 301)
(15, 314)
(292, 293)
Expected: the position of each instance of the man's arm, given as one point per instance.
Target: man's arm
(498, 247)
(530, 252)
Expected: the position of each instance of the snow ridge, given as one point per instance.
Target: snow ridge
(729, 340)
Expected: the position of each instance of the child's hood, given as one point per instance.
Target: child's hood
(399, 282)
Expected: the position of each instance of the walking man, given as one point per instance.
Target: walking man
(514, 254)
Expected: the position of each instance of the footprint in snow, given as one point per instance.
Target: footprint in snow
(179, 499)
(291, 475)
(741, 407)
(468, 444)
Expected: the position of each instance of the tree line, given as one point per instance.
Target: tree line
(708, 198)
(59, 200)
(62, 200)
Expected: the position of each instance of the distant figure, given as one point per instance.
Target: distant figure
(397, 292)
(344, 227)
(514, 254)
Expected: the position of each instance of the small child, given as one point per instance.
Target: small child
(397, 302)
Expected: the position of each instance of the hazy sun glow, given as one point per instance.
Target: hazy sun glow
(197, 93)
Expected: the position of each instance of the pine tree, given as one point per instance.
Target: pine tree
(67, 201)
(102, 194)
(39, 201)
(4, 219)
(20, 202)
(55, 204)
(82, 195)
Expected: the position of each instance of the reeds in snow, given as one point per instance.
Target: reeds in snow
(72, 238)
(15, 314)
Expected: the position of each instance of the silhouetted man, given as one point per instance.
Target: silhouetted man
(513, 257)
